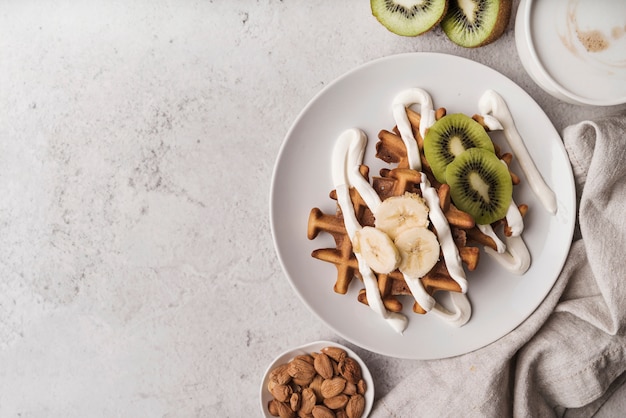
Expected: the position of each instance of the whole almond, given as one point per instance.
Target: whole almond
(316, 386)
(306, 357)
(284, 410)
(301, 370)
(280, 374)
(361, 387)
(320, 411)
(272, 408)
(323, 366)
(295, 401)
(335, 353)
(350, 389)
(355, 406)
(337, 402)
(282, 393)
(350, 370)
(333, 387)
(308, 400)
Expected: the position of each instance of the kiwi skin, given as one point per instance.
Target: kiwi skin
(397, 22)
(502, 21)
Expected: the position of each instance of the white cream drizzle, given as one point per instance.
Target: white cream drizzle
(356, 152)
(404, 99)
(444, 233)
(488, 230)
(516, 259)
(514, 219)
(492, 103)
(462, 310)
(492, 123)
(426, 301)
(348, 153)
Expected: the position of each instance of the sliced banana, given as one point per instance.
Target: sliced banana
(377, 249)
(399, 213)
(419, 251)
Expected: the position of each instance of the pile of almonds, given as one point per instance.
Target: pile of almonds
(328, 384)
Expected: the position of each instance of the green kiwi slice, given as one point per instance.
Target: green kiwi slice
(480, 184)
(449, 137)
(409, 17)
(474, 23)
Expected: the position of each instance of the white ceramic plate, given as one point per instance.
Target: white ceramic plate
(302, 180)
(265, 396)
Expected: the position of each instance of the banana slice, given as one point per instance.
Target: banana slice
(419, 251)
(377, 249)
(399, 213)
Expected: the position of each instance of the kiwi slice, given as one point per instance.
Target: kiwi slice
(474, 23)
(480, 184)
(409, 17)
(449, 137)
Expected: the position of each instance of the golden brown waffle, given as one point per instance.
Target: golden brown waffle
(342, 255)
(391, 183)
(395, 182)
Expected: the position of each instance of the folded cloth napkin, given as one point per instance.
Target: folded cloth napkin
(570, 354)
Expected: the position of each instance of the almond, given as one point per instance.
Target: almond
(295, 401)
(335, 353)
(280, 374)
(306, 357)
(350, 389)
(320, 411)
(333, 387)
(323, 366)
(282, 393)
(284, 410)
(337, 402)
(361, 387)
(301, 370)
(355, 406)
(308, 400)
(350, 370)
(316, 386)
(272, 408)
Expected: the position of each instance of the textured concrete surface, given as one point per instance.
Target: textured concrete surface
(137, 140)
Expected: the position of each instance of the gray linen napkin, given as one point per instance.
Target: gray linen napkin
(570, 354)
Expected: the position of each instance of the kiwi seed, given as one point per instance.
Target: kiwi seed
(474, 23)
(449, 137)
(480, 184)
(409, 17)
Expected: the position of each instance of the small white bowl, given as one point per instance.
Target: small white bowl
(575, 49)
(266, 396)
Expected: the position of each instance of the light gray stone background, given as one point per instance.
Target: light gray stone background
(138, 276)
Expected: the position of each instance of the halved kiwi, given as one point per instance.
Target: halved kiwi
(474, 23)
(449, 137)
(409, 17)
(480, 184)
